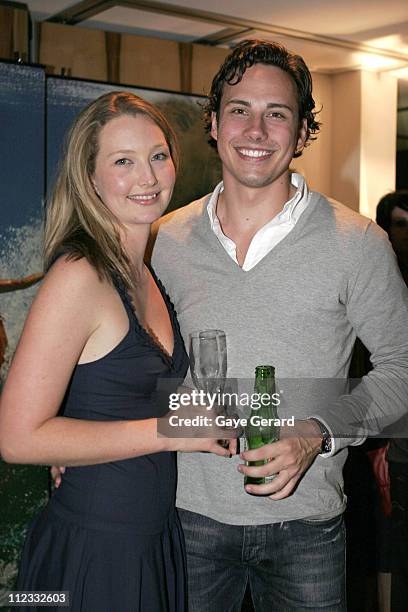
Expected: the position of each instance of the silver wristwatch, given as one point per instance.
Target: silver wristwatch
(326, 446)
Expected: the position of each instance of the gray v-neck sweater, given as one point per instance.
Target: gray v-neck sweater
(334, 276)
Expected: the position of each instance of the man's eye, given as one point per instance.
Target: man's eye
(238, 111)
(122, 162)
(277, 115)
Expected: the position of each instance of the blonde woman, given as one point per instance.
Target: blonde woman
(81, 391)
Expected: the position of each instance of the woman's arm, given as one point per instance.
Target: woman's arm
(65, 315)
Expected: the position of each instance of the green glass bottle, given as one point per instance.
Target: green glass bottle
(261, 428)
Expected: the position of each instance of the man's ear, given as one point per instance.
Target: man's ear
(302, 133)
(214, 127)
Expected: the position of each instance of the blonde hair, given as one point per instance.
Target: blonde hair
(77, 222)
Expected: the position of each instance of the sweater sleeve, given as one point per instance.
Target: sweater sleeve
(377, 308)
(160, 259)
(156, 254)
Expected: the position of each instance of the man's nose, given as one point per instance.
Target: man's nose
(256, 130)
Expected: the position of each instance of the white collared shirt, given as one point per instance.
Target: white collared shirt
(268, 236)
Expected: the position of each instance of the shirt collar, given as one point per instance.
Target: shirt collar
(290, 213)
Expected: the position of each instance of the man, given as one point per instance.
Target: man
(292, 278)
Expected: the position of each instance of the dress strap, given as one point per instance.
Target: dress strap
(143, 334)
(126, 301)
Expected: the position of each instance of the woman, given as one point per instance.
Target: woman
(103, 334)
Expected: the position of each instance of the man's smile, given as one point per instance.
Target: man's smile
(253, 153)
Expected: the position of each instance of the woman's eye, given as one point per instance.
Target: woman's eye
(122, 162)
(160, 156)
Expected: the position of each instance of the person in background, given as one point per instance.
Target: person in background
(392, 216)
(82, 388)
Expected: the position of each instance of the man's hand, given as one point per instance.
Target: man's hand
(288, 458)
(56, 475)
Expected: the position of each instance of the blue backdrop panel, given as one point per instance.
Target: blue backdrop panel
(22, 124)
(23, 489)
(22, 180)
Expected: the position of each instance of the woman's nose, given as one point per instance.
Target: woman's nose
(147, 177)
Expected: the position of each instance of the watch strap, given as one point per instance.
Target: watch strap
(326, 446)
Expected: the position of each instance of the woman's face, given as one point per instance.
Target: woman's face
(134, 172)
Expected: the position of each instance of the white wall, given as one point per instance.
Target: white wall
(354, 158)
(378, 139)
(315, 162)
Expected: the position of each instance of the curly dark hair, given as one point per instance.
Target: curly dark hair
(250, 52)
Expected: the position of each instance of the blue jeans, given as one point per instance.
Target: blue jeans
(292, 566)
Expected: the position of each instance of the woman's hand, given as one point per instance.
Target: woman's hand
(56, 474)
(192, 425)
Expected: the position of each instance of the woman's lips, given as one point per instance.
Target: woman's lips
(144, 198)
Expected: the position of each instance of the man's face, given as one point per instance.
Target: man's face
(258, 128)
(399, 234)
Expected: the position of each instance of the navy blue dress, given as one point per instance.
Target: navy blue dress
(110, 534)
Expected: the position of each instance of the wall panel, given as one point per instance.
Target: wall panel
(23, 489)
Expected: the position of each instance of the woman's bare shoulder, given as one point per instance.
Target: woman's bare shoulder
(70, 275)
(71, 288)
(72, 269)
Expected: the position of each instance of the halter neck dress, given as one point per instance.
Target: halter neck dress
(110, 534)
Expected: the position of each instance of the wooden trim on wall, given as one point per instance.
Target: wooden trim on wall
(186, 66)
(14, 32)
(126, 58)
(113, 42)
